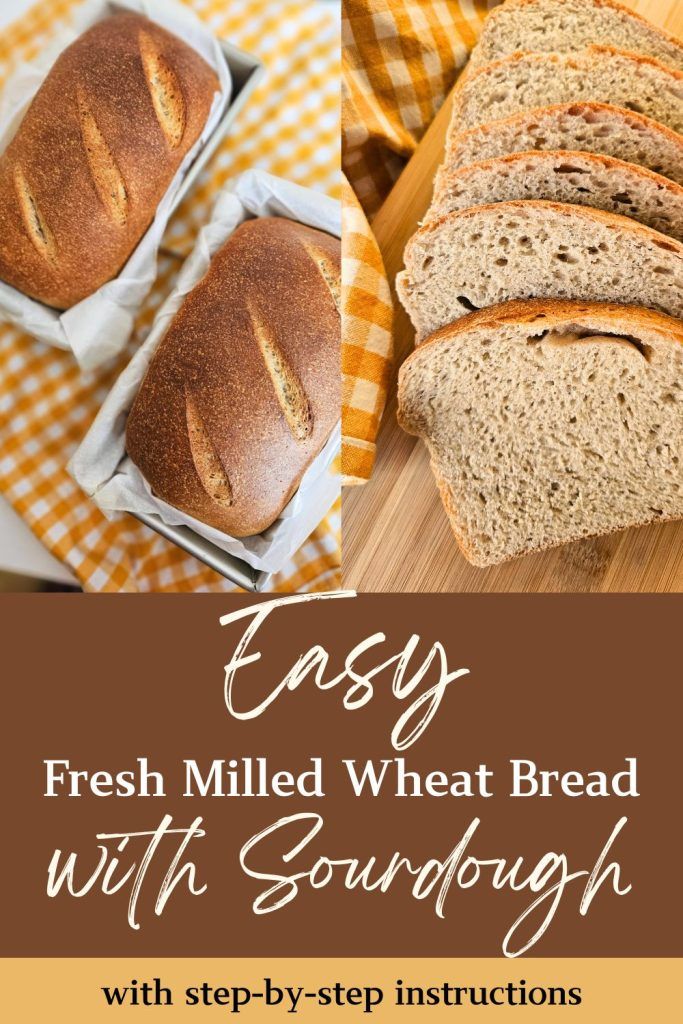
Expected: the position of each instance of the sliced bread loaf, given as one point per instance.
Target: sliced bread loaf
(565, 177)
(547, 422)
(527, 249)
(563, 26)
(603, 74)
(588, 127)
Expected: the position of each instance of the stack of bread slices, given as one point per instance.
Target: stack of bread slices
(546, 283)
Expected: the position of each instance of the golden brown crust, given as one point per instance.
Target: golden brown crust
(94, 158)
(244, 389)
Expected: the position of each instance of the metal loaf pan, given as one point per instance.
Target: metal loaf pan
(247, 71)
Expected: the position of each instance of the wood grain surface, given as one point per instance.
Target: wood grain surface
(395, 533)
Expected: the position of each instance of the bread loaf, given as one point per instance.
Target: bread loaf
(582, 179)
(96, 151)
(563, 26)
(244, 389)
(549, 421)
(600, 74)
(585, 127)
(528, 249)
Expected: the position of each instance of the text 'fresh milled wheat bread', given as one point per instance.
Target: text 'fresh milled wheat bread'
(584, 127)
(563, 26)
(96, 151)
(583, 179)
(600, 74)
(547, 422)
(528, 249)
(244, 389)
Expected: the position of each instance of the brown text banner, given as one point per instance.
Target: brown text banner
(372, 776)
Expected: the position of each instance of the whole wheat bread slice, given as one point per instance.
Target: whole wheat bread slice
(584, 179)
(562, 26)
(600, 74)
(587, 127)
(547, 422)
(528, 249)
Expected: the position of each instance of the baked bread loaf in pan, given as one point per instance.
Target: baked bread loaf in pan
(244, 389)
(586, 127)
(96, 151)
(549, 421)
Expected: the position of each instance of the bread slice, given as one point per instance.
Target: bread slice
(547, 422)
(565, 177)
(588, 127)
(601, 74)
(528, 249)
(562, 26)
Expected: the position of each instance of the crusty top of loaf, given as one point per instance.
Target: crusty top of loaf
(244, 389)
(96, 151)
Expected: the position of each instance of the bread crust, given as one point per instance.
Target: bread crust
(92, 157)
(547, 314)
(263, 314)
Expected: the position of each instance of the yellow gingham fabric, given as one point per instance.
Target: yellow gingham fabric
(367, 316)
(400, 59)
(290, 127)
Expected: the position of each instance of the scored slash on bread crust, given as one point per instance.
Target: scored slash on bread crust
(95, 153)
(582, 179)
(548, 422)
(244, 389)
(584, 127)
(486, 254)
(562, 26)
(602, 74)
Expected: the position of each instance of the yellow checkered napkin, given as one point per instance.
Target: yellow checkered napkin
(399, 61)
(289, 127)
(366, 341)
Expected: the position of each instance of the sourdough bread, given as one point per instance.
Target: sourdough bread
(549, 421)
(583, 179)
(563, 26)
(585, 127)
(244, 388)
(488, 254)
(99, 145)
(600, 74)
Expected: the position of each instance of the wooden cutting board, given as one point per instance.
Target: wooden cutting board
(395, 533)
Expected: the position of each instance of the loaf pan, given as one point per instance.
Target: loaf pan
(234, 569)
